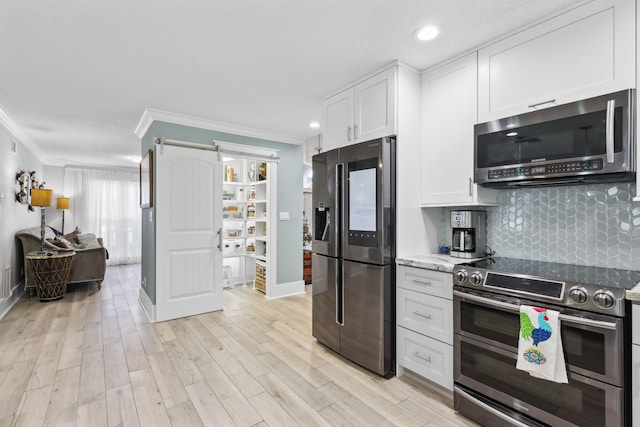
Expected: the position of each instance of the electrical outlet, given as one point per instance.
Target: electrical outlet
(144, 282)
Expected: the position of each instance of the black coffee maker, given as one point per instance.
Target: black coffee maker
(469, 234)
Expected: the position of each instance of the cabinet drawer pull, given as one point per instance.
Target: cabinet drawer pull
(426, 359)
(542, 103)
(424, 282)
(426, 316)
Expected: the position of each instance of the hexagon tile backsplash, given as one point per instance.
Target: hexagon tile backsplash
(595, 225)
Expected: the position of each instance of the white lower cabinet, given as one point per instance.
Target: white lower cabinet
(635, 371)
(424, 334)
(635, 399)
(427, 357)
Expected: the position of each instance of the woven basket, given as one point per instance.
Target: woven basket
(51, 275)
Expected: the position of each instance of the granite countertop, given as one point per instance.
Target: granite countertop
(634, 293)
(437, 262)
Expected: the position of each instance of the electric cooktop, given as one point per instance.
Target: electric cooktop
(599, 276)
(581, 287)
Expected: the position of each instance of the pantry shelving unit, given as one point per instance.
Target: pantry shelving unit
(244, 232)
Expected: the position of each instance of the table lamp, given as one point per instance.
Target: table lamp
(63, 204)
(41, 197)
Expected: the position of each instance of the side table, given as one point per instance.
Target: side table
(50, 273)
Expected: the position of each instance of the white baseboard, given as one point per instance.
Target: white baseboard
(279, 291)
(147, 305)
(282, 290)
(7, 304)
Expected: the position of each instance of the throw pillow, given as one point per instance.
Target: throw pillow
(89, 240)
(57, 243)
(61, 242)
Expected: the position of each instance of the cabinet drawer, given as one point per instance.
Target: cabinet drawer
(426, 314)
(429, 282)
(427, 357)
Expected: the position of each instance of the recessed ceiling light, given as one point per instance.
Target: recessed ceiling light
(314, 125)
(428, 32)
(512, 134)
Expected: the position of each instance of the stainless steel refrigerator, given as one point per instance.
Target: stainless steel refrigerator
(353, 277)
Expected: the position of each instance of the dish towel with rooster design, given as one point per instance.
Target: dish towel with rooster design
(540, 345)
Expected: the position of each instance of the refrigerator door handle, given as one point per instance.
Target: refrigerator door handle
(339, 295)
(338, 208)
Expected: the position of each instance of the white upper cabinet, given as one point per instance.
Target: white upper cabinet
(360, 113)
(449, 111)
(338, 120)
(585, 52)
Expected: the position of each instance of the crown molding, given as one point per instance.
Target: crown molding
(151, 115)
(21, 137)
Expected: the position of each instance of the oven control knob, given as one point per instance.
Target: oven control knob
(604, 299)
(461, 276)
(578, 294)
(475, 278)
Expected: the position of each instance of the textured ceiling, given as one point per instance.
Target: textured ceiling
(76, 76)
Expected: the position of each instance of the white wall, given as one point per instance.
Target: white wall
(13, 215)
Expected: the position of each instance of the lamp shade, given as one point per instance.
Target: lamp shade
(41, 197)
(62, 203)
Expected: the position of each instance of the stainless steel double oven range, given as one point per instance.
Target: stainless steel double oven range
(595, 331)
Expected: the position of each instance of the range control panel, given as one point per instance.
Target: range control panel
(547, 169)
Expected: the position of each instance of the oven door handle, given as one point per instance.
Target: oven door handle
(515, 308)
(491, 409)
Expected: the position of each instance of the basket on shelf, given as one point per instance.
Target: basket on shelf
(261, 278)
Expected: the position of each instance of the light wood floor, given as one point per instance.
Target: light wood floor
(93, 359)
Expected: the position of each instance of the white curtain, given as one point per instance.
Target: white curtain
(106, 203)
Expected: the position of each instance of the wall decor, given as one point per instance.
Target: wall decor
(146, 180)
(27, 180)
(22, 195)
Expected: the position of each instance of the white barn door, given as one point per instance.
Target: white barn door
(188, 223)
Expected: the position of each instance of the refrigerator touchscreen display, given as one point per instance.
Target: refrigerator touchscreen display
(362, 200)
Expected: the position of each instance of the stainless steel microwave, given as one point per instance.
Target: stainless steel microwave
(587, 141)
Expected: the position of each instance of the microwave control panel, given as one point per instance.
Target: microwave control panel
(547, 169)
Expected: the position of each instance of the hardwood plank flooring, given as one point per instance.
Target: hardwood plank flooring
(93, 358)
